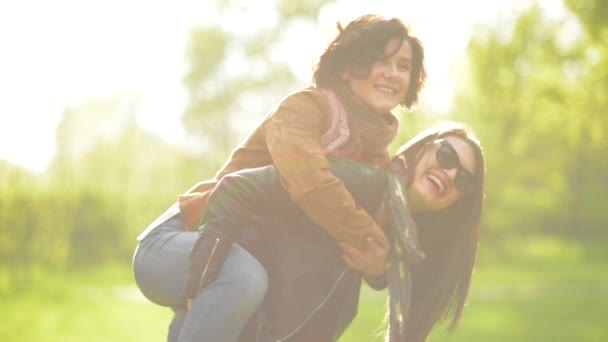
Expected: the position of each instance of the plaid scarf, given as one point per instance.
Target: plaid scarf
(357, 130)
(357, 127)
(403, 235)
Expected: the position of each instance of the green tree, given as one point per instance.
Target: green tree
(108, 180)
(232, 79)
(528, 93)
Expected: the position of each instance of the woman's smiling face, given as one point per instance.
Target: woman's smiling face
(433, 187)
(388, 79)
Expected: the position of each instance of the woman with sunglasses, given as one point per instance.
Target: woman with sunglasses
(429, 204)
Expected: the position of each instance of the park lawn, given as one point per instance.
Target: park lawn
(532, 301)
(93, 306)
(525, 313)
(549, 290)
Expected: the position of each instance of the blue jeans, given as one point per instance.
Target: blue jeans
(222, 309)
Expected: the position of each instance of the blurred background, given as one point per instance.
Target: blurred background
(111, 109)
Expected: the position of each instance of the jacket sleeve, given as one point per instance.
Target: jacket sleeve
(231, 206)
(294, 141)
(377, 283)
(240, 195)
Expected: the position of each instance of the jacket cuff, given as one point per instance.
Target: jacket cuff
(377, 282)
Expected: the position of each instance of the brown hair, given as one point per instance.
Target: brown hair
(362, 42)
(449, 238)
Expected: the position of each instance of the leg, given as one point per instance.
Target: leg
(161, 261)
(175, 327)
(160, 265)
(222, 309)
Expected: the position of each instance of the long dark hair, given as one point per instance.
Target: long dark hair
(449, 238)
(362, 42)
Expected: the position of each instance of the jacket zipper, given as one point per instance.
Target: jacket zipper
(319, 307)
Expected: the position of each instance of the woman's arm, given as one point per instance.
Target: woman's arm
(230, 209)
(294, 141)
(372, 262)
(260, 191)
(240, 195)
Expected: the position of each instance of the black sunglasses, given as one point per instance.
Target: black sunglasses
(448, 159)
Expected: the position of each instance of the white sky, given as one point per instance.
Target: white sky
(62, 53)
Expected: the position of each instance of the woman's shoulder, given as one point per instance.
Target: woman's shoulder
(310, 90)
(304, 105)
(305, 97)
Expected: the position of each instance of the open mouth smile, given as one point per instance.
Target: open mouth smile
(437, 183)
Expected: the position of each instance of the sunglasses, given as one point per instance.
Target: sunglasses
(448, 159)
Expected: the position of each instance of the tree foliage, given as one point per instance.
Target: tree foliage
(535, 91)
(98, 194)
(109, 179)
(536, 94)
(232, 79)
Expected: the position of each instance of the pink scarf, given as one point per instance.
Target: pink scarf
(357, 131)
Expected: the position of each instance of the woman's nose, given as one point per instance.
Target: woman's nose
(451, 173)
(390, 70)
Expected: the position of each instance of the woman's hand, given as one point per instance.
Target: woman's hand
(372, 261)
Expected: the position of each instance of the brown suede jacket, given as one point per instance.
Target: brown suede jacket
(290, 138)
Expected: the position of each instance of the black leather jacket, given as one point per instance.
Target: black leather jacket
(312, 294)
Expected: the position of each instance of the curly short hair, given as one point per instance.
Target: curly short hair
(361, 43)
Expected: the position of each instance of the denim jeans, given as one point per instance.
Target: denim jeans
(221, 309)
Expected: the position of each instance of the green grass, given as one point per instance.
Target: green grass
(522, 312)
(534, 298)
(534, 289)
(95, 306)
